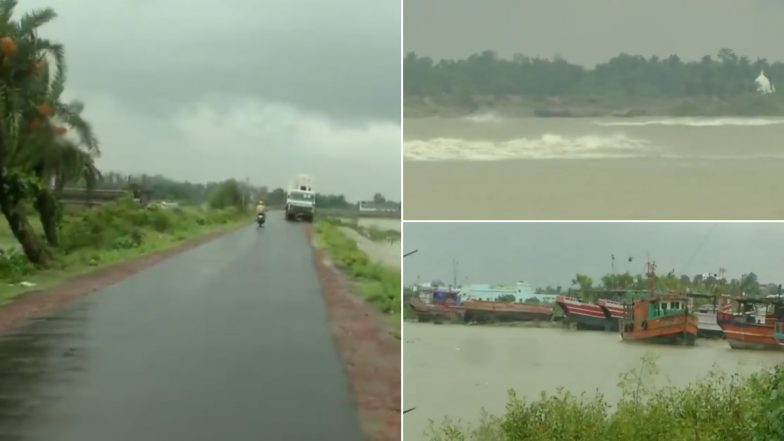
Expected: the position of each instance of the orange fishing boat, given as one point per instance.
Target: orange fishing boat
(480, 310)
(753, 325)
(659, 318)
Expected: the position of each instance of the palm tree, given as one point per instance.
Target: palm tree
(54, 158)
(55, 162)
(21, 55)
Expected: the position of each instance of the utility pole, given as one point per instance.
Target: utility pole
(455, 265)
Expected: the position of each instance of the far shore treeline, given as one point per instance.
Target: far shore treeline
(161, 188)
(715, 84)
(699, 283)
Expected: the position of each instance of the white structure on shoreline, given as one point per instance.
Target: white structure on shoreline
(764, 86)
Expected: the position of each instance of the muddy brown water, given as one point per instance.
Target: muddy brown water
(586, 168)
(456, 370)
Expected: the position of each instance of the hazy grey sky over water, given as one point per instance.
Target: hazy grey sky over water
(206, 90)
(592, 31)
(551, 254)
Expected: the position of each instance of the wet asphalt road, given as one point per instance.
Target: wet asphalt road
(228, 341)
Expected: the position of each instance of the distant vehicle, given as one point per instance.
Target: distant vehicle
(261, 218)
(301, 199)
(301, 182)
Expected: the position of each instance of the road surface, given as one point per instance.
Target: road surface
(228, 341)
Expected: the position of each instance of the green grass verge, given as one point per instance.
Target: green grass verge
(717, 408)
(377, 283)
(107, 235)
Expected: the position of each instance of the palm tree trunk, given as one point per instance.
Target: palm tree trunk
(36, 252)
(46, 205)
(14, 213)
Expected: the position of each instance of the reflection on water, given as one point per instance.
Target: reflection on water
(33, 360)
(455, 370)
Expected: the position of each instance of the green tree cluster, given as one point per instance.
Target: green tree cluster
(748, 284)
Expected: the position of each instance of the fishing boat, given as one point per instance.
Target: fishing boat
(586, 315)
(752, 326)
(483, 311)
(659, 318)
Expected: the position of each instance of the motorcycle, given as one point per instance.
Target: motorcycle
(260, 219)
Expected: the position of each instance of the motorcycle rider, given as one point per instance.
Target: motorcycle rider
(261, 212)
(261, 208)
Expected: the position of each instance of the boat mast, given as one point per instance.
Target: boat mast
(651, 277)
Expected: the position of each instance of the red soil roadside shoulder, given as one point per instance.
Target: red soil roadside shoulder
(37, 303)
(370, 354)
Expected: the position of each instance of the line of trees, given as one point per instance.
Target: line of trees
(160, 187)
(748, 284)
(624, 75)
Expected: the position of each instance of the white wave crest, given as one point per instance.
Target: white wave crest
(484, 118)
(547, 146)
(695, 122)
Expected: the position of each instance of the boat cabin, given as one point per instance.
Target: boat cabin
(657, 307)
(762, 312)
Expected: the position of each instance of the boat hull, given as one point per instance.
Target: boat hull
(595, 323)
(671, 330)
(435, 313)
(749, 335)
(586, 315)
(482, 311)
(707, 325)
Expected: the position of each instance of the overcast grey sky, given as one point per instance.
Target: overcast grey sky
(552, 253)
(264, 89)
(592, 31)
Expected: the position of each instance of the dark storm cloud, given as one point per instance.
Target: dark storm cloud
(552, 253)
(338, 58)
(265, 89)
(588, 32)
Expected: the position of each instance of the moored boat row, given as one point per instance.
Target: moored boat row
(758, 323)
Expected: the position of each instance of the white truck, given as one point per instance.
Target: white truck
(300, 199)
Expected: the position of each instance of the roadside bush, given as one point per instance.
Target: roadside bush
(122, 225)
(133, 240)
(160, 220)
(228, 194)
(14, 265)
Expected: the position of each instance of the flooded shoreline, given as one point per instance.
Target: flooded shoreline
(456, 370)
